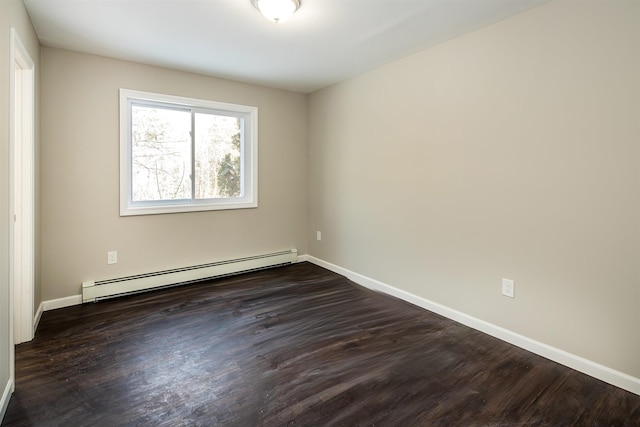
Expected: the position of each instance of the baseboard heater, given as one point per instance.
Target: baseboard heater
(93, 291)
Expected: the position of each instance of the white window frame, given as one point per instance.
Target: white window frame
(248, 147)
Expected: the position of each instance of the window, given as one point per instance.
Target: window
(182, 155)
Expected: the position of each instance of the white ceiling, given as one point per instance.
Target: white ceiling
(325, 42)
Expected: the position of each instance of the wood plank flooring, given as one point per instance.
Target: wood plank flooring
(296, 345)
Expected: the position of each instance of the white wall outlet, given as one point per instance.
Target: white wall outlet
(508, 288)
(112, 257)
(318, 236)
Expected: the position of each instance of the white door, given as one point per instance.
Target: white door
(23, 173)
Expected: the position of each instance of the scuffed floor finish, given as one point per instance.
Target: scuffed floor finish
(299, 346)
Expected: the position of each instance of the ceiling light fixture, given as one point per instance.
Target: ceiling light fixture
(277, 10)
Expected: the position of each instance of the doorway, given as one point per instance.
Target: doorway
(22, 237)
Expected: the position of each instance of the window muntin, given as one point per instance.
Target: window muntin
(181, 154)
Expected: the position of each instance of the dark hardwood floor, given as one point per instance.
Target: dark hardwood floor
(297, 345)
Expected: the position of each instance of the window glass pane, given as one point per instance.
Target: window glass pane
(160, 153)
(217, 156)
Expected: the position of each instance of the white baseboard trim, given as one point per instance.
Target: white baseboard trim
(303, 258)
(36, 318)
(6, 395)
(52, 304)
(593, 369)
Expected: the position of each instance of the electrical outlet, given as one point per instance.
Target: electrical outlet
(318, 236)
(508, 288)
(112, 257)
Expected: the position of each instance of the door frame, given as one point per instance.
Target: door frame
(22, 193)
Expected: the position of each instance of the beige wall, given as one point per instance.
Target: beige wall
(513, 151)
(12, 14)
(80, 181)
